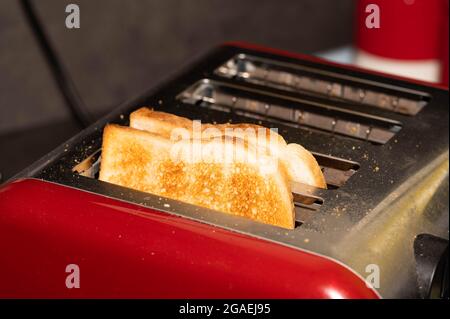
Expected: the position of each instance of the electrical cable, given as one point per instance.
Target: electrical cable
(66, 86)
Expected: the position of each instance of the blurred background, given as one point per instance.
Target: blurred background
(126, 47)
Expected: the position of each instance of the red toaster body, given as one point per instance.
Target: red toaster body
(387, 195)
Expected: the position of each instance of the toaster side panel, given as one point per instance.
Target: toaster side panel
(50, 232)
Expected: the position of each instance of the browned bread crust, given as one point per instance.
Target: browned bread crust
(144, 161)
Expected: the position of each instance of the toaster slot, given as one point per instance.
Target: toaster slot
(307, 199)
(90, 166)
(304, 79)
(336, 171)
(304, 195)
(293, 112)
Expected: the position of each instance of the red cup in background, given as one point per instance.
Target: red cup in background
(444, 50)
(408, 40)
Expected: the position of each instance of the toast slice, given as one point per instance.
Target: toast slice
(300, 165)
(166, 124)
(151, 162)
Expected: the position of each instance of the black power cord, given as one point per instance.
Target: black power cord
(60, 75)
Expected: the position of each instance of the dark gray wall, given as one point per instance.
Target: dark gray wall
(125, 47)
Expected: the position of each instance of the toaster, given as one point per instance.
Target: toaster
(379, 230)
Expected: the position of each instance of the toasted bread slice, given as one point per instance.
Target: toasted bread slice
(167, 124)
(158, 122)
(152, 163)
(301, 166)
